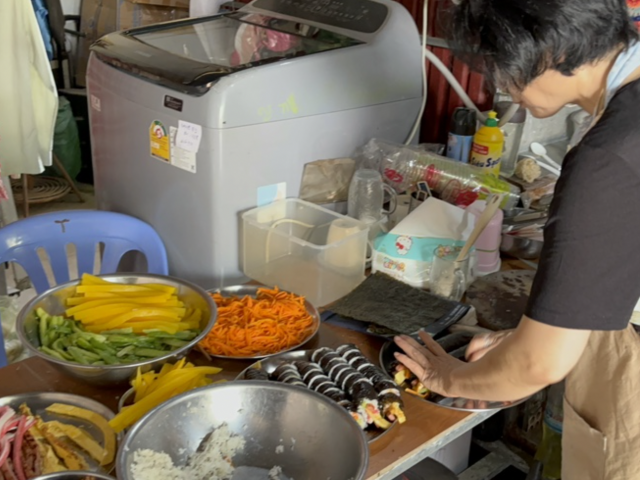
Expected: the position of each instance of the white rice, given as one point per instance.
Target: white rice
(212, 463)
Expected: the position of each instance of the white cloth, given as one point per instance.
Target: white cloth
(28, 96)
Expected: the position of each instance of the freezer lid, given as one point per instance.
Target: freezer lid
(190, 55)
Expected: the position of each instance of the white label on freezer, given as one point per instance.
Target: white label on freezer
(180, 157)
(95, 103)
(189, 135)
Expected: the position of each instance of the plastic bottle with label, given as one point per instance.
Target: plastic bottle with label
(488, 145)
(463, 127)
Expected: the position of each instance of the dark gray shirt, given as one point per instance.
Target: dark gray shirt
(589, 270)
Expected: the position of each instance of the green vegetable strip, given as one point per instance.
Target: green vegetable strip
(66, 339)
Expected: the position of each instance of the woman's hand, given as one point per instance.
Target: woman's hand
(430, 363)
(481, 344)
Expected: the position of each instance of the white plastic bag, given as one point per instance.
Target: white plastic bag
(8, 315)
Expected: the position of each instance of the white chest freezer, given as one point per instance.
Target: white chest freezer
(195, 121)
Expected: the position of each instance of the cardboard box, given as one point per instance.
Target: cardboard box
(100, 17)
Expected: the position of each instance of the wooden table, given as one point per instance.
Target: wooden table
(428, 427)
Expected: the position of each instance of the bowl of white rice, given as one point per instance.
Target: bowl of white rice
(249, 430)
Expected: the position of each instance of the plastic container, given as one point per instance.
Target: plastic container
(488, 243)
(488, 144)
(304, 248)
(463, 127)
(512, 131)
(455, 182)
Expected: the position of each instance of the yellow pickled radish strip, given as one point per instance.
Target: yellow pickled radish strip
(115, 288)
(117, 295)
(171, 328)
(159, 301)
(145, 312)
(88, 279)
(129, 415)
(104, 312)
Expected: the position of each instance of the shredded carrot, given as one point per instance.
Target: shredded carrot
(270, 323)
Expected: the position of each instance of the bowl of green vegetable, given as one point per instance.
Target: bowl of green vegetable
(102, 329)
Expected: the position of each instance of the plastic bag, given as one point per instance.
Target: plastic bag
(66, 141)
(327, 181)
(457, 183)
(8, 315)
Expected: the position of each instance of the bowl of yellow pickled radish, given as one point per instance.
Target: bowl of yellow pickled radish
(100, 329)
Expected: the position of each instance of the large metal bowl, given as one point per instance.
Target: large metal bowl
(521, 247)
(74, 476)
(307, 435)
(53, 302)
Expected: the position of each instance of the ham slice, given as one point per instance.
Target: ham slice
(7, 470)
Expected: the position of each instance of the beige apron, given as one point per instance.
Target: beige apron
(601, 424)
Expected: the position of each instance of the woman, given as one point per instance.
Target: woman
(548, 54)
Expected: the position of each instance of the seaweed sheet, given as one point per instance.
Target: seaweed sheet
(395, 306)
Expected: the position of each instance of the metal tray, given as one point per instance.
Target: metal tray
(252, 291)
(38, 403)
(462, 404)
(268, 365)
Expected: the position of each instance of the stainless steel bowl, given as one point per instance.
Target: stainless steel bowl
(320, 438)
(521, 247)
(53, 302)
(252, 291)
(74, 476)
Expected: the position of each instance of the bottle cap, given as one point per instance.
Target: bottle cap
(519, 117)
(463, 122)
(492, 121)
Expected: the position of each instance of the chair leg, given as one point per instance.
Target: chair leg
(25, 195)
(63, 171)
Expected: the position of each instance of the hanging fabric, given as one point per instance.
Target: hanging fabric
(27, 92)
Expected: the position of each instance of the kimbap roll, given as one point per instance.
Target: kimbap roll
(319, 353)
(392, 407)
(255, 374)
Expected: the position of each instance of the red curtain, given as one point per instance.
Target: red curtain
(441, 99)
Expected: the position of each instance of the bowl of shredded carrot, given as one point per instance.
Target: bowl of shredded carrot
(257, 322)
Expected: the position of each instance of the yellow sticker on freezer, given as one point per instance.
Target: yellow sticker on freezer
(159, 141)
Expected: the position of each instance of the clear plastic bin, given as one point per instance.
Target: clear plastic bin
(304, 248)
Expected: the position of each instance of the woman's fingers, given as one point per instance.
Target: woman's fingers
(412, 348)
(433, 346)
(417, 368)
(483, 343)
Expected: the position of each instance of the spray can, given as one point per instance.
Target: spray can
(488, 144)
(463, 127)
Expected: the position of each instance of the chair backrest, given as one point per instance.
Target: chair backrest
(87, 230)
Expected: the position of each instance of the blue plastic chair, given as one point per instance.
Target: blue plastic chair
(85, 229)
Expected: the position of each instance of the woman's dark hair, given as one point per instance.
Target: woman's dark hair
(517, 40)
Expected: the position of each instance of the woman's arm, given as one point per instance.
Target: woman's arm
(534, 356)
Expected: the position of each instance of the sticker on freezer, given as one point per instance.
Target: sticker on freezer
(189, 135)
(180, 157)
(271, 193)
(159, 141)
(95, 103)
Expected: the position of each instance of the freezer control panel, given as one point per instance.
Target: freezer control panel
(364, 16)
